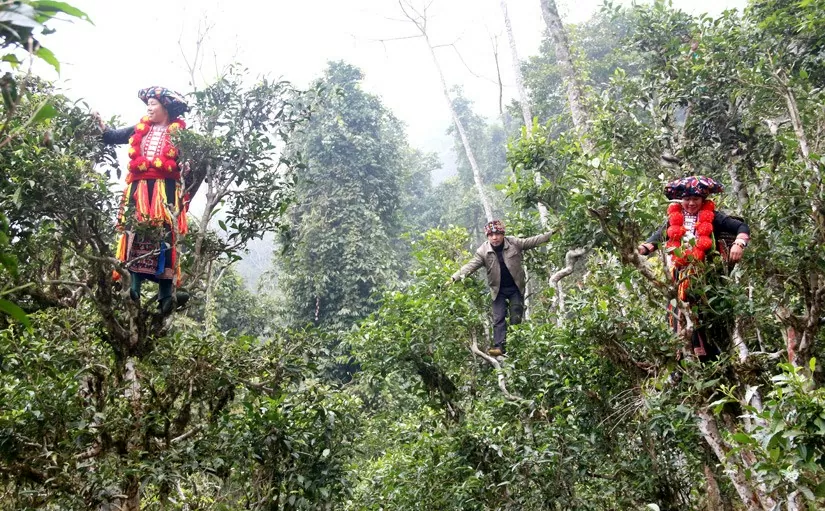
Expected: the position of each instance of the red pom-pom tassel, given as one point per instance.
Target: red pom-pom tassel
(675, 232)
(704, 243)
(679, 262)
(706, 216)
(704, 229)
(677, 219)
(138, 164)
(674, 208)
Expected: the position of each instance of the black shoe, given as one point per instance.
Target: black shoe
(134, 296)
(165, 306)
(182, 297)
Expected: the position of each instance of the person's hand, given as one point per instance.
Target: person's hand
(449, 282)
(736, 252)
(185, 169)
(645, 249)
(99, 120)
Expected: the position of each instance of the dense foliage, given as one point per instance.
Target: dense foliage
(340, 246)
(598, 405)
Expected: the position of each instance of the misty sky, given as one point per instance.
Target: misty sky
(136, 44)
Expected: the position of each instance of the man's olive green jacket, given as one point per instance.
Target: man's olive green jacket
(512, 254)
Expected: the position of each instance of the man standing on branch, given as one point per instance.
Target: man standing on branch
(502, 256)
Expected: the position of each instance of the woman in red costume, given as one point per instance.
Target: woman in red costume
(153, 212)
(693, 229)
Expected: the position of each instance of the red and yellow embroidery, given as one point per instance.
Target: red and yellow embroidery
(165, 160)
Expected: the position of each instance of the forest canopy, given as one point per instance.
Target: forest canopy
(352, 377)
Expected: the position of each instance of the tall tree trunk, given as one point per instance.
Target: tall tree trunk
(522, 94)
(129, 501)
(420, 22)
(575, 96)
(739, 189)
(523, 100)
(714, 498)
(798, 127)
(482, 193)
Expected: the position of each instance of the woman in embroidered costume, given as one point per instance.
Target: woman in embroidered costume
(693, 229)
(153, 200)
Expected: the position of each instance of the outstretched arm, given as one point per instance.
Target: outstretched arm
(534, 241)
(652, 243)
(468, 269)
(117, 136)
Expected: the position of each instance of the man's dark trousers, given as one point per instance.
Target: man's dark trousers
(506, 296)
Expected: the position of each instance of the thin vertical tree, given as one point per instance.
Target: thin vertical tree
(578, 112)
(419, 19)
(524, 101)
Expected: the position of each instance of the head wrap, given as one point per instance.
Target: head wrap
(692, 186)
(173, 102)
(494, 227)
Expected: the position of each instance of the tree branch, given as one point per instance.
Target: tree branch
(571, 258)
(502, 382)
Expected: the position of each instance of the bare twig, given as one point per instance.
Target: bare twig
(189, 434)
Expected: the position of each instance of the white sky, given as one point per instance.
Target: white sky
(135, 44)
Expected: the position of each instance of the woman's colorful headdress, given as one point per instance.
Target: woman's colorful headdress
(173, 102)
(692, 186)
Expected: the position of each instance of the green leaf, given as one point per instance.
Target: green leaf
(743, 438)
(12, 59)
(47, 55)
(17, 198)
(222, 224)
(14, 311)
(51, 5)
(46, 111)
(812, 364)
